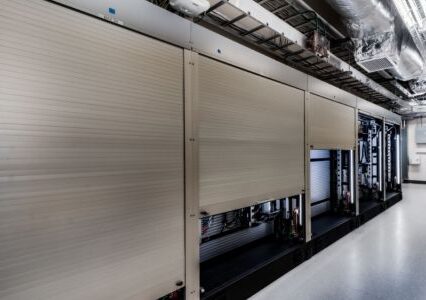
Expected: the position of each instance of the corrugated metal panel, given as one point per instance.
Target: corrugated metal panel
(315, 154)
(91, 168)
(332, 125)
(251, 138)
(326, 90)
(320, 180)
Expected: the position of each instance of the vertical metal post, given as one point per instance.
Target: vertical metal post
(384, 159)
(404, 151)
(398, 157)
(192, 234)
(380, 160)
(308, 229)
(355, 166)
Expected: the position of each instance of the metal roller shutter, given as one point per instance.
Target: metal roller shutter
(331, 124)
(91, 163)
(251, 138)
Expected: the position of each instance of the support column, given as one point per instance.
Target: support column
(192, 234)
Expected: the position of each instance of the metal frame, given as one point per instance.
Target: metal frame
(384, 159)
(347, 76)
(192, 256)
(331, 92)
(151, 20)
(381, 151)
(356, 164)
(223, 49)
(308, 226)
(390, 122)
(377, 111)
(154, 21)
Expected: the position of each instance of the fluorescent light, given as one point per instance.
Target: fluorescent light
(412, 12)
(404, 11)
(415, 12)
(300, 210)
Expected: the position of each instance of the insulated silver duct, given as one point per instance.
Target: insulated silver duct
(381, 38)
(418, 87)
(410, 63)
(364, 17)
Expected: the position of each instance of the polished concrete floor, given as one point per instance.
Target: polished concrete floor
(383, 259)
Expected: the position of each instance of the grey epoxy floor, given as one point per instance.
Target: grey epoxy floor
(383, 259)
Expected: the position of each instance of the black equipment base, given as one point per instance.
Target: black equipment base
(393, 198)
(369, 209)
(242, 272)
(328, 228)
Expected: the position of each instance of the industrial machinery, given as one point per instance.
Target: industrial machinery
(238, 242)
(188, 174)
(392, 140)
(332, 187)
(370, 162)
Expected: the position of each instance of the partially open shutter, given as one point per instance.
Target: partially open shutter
(91, 158)
(331, 124)
(251, 138)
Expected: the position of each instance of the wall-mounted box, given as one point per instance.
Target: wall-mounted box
(420, 135)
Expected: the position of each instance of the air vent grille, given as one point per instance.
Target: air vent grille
(375, 65)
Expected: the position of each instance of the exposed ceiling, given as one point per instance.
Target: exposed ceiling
(342, 67)
(409, 17)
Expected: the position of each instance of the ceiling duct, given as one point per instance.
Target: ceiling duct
(382, 41)
(266, 30)
(418, 87)
(247, 20)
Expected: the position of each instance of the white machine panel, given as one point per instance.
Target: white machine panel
(331, 124)
(251, 138)
(91, 165)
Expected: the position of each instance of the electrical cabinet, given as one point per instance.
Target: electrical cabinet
(332, 189)
(331, 138)
(370, 161)
(251, 138)
(92, 189)
(392, 157)
(331, 124)
(92, 166)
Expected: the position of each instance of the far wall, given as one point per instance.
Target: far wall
(416, 152)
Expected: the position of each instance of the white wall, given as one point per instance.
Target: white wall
(416, 152)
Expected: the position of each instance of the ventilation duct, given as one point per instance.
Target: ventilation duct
(381, 39)
(418, 87)
(147, 18)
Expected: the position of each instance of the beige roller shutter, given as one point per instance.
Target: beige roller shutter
(91, 158)
(331, 124)
(251, 136)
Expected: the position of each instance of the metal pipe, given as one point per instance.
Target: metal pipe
(382, 39)
(263, 16)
